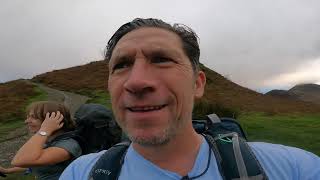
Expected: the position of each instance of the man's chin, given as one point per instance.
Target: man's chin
(151, 140)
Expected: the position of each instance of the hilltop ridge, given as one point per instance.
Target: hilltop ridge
(219, 90)
(304, 92)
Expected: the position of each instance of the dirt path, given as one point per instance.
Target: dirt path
(72, 100)
(18, 137)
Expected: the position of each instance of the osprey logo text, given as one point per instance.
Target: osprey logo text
(102, 171)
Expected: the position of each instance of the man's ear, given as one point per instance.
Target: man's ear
(200, 84)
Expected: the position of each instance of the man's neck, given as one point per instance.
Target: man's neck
(178, 155)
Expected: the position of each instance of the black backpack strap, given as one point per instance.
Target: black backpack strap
(235, 159)
(109, 165)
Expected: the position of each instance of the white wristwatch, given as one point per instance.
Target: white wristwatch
(43, 133)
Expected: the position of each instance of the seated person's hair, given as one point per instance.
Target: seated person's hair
(40, 109)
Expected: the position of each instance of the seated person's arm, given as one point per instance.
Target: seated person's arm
(48, 156)
(32, 152)
(12, 170)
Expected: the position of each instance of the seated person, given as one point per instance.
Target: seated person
(46, 156)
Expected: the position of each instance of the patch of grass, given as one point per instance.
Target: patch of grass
(7, 127)
(41, 95)
(15, 120)
(203, 108)
(300, 131)
(98, 96)
(101, 97)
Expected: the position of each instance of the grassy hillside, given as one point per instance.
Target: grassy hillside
(293, 130)
(87, 79)
(80, 79)
(224, 92)
(14, 97)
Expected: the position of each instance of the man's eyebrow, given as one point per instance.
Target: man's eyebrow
(118, 54)
(161, 51)
(123, 53)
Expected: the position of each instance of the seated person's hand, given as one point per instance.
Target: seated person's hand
(52, 122)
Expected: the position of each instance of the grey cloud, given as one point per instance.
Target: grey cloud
(253, 43)
(248, 41)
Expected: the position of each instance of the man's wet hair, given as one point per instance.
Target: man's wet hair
(188, 37)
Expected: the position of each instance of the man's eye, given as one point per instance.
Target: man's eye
(161, 59)
(121, 65)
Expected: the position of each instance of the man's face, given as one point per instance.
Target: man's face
(152, 85)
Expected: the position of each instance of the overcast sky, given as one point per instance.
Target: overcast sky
(259, 44)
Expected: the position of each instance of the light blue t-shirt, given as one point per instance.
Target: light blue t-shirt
(279, 162)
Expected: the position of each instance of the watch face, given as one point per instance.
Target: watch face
(42, 133)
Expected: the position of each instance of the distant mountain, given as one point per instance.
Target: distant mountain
(219, 90)
(303, 92)
(282, 94)
(307, 92)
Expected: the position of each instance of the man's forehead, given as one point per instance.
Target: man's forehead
(149, 38)
(143, 32)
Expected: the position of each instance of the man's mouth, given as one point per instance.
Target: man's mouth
(145, 108)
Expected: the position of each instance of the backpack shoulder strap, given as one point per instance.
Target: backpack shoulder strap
(234, 158)
(109, 165)
(214, 118)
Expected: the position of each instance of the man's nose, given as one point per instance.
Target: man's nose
(141, 79)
